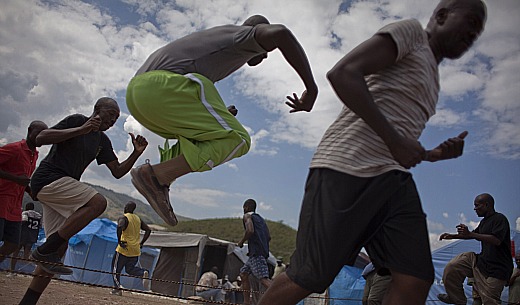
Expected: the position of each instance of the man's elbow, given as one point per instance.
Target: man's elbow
(335, 77)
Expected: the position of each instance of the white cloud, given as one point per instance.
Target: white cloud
(518, 224)
(232, 165)
(58, 59)
(446, 118)
(445, 215)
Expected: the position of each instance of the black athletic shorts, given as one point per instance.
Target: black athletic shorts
(342, 213)
(10, 230)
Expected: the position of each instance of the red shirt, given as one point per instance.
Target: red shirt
(15, 158)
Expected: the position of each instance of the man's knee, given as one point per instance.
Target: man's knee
(98, 204)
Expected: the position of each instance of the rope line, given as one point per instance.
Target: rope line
(172, 282)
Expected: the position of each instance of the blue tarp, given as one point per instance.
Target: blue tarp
(347, 288)
(93, 248)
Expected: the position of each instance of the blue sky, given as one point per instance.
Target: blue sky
(59, 56)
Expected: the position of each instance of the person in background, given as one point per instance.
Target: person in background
(208, 286)
(31, 223)
(279, 268)
(17, 164)
(128, 248)
(514, 283)
(258, 237)
(491, 269)
(375, 286)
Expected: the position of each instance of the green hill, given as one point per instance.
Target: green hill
(283, 237)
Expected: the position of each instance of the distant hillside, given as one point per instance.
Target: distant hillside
(283, 237)
(116, 204)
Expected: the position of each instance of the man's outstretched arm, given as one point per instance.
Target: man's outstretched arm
(117, 169)
(277, 36)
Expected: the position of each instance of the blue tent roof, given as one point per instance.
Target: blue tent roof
(100, 227)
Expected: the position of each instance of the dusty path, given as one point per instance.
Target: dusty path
(12, 290)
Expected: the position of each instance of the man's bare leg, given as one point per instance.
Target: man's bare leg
(7, 249)
(246, 285)
(406, 290)
(266, 282)
(12, 267)
(83, 216)
(39, 282)
(166, 172)
(283, 291)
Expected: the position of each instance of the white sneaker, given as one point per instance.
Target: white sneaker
(146, 280)
(10, 274)
(116, 292)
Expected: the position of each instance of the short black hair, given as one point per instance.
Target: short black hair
(255, 19)
(251, 203)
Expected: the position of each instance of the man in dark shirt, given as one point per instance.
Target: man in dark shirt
(492, 268)
(68, 204)
(257, 236)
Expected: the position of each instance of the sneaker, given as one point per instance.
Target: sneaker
(50, 263)
(443, 297)
(116, 292)
(157, 195)
(10, 274)
(146, 280)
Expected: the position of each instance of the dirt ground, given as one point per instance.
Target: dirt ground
(13, 288)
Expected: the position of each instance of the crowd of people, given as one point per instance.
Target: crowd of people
(370, 147)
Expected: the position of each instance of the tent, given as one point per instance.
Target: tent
(185, 256)
(94, 247)
(347, 288)
(443, 255)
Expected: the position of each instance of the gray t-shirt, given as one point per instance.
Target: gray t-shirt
(215, 53)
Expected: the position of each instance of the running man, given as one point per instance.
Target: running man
(359, 192)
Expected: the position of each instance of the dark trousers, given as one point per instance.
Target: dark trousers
(129, 263)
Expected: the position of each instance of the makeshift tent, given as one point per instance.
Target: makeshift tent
(94, 247)
(185, 256)
(443, 255)
(347, 288)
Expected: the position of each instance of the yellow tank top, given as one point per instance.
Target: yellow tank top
(132, 236)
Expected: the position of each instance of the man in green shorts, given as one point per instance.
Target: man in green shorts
(173, 95)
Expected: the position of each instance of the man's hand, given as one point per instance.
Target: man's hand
(463, 231)
(305, 103)
(407, 152)
(240, 244)
(446, 236)
(449, 149)
(123, 245)
(233, 110)
(139, 143)
(92, 124)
